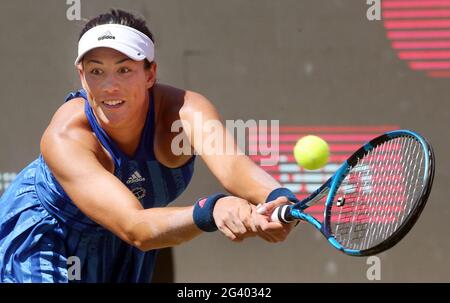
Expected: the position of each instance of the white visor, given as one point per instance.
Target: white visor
(124, 39)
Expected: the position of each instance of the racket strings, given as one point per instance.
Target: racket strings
(414, 190)
(378, 193)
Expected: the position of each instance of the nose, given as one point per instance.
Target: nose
(111, 85)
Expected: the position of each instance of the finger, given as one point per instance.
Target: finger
(235, 226)
(261, 225)
(269, 207)
(251, 222)
(250, 228)
(238, 240)
(248, 219)
(250, 225)
(279, 235)
(267, 237)
(276, 230)
(284, 232)
(273, 226)
(239, 226)
(257, 220)
(227, 232)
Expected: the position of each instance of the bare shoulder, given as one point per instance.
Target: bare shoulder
(69, 124)
(183, 102)
(196, 102)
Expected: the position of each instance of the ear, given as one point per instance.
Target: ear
(150, 75)
(80, 71)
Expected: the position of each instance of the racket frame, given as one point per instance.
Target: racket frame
(331, 186)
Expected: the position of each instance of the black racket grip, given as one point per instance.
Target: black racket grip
(282, 214)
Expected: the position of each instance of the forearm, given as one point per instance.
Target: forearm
(249, 181)
(162, 227)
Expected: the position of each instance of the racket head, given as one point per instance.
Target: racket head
(377, 195)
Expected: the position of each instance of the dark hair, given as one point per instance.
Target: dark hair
(117, 16)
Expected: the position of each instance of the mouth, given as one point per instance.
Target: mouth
(113, 104)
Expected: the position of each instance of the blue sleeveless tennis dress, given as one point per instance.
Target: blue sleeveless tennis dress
(43, 235)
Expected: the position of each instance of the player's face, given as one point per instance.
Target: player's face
(116, 85)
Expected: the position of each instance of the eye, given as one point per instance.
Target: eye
(124, 70)
(96, 71)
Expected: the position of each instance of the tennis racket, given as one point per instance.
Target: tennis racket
(374, 198)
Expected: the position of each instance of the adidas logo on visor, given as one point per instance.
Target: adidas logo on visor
(106, 35)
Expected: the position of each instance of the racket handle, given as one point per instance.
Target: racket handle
(282, 214)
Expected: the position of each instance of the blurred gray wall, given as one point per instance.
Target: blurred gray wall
(300, 61)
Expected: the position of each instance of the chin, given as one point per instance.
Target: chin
(111, 120)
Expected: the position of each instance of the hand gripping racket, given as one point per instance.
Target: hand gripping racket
(374, 198)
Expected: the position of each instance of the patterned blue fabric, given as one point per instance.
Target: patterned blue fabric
(40, 227)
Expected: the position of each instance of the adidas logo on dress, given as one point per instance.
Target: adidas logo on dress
(135, 177)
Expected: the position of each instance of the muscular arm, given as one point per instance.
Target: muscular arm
(69, 151)
(237, 173)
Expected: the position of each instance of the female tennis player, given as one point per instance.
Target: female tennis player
(98, 190)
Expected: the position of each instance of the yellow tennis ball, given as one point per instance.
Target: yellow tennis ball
(311, 152)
